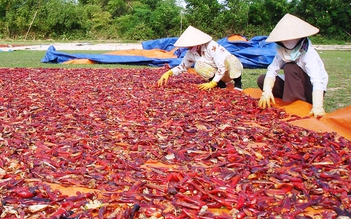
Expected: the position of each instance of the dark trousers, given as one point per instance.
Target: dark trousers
(296, 86)
(222, 84)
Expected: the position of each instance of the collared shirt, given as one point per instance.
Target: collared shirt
(310, 62)
(211, 53)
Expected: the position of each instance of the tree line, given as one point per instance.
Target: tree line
(154, 19)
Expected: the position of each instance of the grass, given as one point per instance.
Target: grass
(337, 63)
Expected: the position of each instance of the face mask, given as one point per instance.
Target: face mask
(290, 44)
(290, 55)
(194, 49)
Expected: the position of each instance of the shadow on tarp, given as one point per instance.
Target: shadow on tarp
(255, 53)
(338, 121)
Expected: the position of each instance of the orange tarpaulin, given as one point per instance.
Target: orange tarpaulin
(236, 37)
(338, 121)
(152, 53)
(79, 61)
(72, 190)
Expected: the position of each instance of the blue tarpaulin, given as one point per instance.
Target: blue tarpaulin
(255, 53)
(53, 56)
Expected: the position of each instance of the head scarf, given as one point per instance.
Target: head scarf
(291, 55)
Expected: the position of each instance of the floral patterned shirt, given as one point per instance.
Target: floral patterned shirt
(211, 53)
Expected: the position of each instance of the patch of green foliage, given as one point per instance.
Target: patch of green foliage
(152, 19)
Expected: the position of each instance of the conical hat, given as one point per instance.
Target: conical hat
(192, 37)
(291, 27)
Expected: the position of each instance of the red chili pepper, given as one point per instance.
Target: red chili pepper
(171, 216)
(241, 201)
(152, 211)
(220, 200)
(300, 186)
(191, 200)
(241, 215)
(294, 179)
(190, 213)
(160, 188)
(234, 180)
(67, 204)
(80, 131)
(60, 213)
(336, 145)
(102, 212)
(23, 192)
(216, 181)
(80, 196)
(214, 204)
(286, 205)
(186, 205)
(136, 186)
(182, 215)
(328, 176)
(174, 177)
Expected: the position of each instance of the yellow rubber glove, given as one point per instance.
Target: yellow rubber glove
(164, 78)
(317, 101)
(267, 95)
(208, 85)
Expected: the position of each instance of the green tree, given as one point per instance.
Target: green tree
(101, 3)
(332, 17)
(234, 17)
(152, 4)
(117, 8)
(150, 19)
(62, 18)
(165, 19)
(134, 25)
(16, 16)
(202, 14)
(267, 13)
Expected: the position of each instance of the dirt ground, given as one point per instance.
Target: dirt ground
(74, 46)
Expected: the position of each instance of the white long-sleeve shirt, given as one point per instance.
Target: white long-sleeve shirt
(310, 62)
(211, 53)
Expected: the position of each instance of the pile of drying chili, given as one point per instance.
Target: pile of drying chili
(109, 143)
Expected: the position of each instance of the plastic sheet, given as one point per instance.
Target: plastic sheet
(338, 121)
(255, 53)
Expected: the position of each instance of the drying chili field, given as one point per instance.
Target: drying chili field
(109, 143)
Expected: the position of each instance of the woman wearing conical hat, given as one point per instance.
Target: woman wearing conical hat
(305, 77)
(210, 60)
